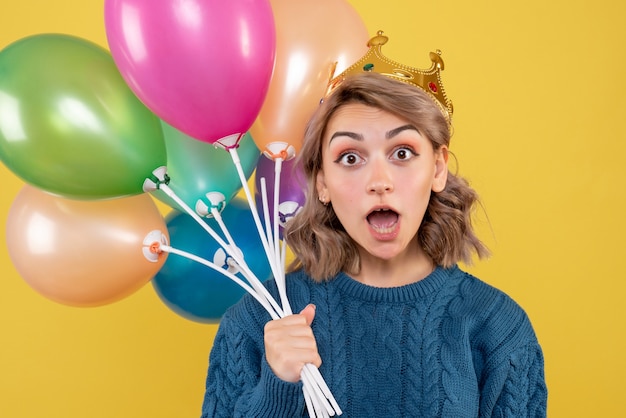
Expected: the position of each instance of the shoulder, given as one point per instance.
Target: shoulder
(496, 321)
(474, 295)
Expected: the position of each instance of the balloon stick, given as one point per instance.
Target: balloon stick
(282, 288)
(246, 287)
(161, 184)
(280, 279)
(244, 184)
(318, 397)
(266, 211)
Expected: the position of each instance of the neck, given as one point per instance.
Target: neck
(406, 268)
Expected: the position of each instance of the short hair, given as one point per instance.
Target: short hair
(318, 240)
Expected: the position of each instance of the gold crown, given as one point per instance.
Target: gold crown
(427, 80)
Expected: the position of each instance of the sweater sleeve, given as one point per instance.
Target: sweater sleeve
(240, 383)
(516, 388)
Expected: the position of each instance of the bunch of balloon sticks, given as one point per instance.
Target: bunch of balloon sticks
(318, 397)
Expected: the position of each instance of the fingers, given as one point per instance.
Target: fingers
(290, 344)
(309, 313)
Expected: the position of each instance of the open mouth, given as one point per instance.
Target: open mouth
(383, 220)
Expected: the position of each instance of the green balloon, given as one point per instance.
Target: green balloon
(69, 124)
(196, 168)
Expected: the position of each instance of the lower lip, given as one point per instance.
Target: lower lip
(387, 234)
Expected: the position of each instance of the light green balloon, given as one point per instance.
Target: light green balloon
(69, 124)
(196, 168)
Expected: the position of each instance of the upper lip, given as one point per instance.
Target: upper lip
(381, 207)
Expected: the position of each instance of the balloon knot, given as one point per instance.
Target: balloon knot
(282, 154)
(155, 248)
(229, 147)
(229, 142)
(279, 149)
(158, 182)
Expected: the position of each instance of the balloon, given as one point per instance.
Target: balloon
(292, 188)
(69, 124)
(311, 35)
(83, 253)
(203, 66)
(196, 168)
(195, 291)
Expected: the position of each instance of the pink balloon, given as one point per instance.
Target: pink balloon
(203, 66)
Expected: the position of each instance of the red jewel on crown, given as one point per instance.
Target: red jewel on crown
(433, 87)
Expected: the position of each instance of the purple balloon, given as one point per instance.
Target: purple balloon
(292, 188)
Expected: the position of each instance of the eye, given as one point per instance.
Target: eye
(349, 159)
(403, 153)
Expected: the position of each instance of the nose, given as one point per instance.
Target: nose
(380, 187)
(380, 180)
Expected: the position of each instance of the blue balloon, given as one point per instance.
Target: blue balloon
(195, 291)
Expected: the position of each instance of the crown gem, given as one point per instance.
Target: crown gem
(368, 67)
(433, 87)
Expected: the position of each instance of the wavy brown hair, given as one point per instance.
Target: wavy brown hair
(315, 235)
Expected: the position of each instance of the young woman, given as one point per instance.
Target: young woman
(395, 327)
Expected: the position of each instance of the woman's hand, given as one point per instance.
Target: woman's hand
(290, 344)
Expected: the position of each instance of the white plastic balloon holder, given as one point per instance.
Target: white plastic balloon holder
(318, 397)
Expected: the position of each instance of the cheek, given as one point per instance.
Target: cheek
(421, 190)
(345, 189)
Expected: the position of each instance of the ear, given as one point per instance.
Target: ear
(320, 186)
(441, 169)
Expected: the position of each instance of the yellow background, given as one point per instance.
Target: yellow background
(540, 100)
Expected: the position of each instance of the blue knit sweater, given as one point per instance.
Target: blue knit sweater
(447, 346)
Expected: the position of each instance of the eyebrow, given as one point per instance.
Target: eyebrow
(399, 129)
(388, 135)
(349, 134)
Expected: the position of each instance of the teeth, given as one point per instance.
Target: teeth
(383, 230)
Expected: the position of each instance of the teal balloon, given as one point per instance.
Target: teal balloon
(195, 291)
(69, 124)
(196, 168)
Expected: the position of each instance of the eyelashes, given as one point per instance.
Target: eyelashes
(404, 152)
(352, 158)
(349, 158)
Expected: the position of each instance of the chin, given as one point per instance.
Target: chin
(384, 254)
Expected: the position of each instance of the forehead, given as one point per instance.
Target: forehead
(361, 114)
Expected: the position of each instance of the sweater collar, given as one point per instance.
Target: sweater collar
(431, 283)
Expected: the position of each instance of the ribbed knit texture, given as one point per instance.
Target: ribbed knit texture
(447, 346)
